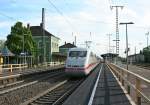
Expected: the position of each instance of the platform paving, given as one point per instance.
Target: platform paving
(137, 70)
(108, 91)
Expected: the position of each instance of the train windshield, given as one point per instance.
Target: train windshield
(77, 53)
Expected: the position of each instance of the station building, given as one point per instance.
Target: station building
(136, 58)
(48, 44)
(109, 57)
(65, 48)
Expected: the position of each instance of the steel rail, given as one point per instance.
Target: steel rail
(56, 95)
(27, 84)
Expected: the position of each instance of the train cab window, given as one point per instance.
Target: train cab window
(73, 54)
(82, 53)
(77, 54)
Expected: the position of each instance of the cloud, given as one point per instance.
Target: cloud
(5, 24)
(146, 19)
(81, 18)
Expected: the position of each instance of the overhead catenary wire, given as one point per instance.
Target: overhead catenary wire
(66, 4)
(9, 17)
(89, 20)
(59, 12)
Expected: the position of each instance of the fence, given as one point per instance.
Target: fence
(53, 63)
(136, 86)
(11, 67)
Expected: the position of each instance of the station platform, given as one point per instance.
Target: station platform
(107, 90)
(16, 76)
(138, 70)
(29, 70)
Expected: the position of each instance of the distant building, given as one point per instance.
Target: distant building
(6, 56)
(65, 48)
(51, 43)
(136, 58)
(109, 57)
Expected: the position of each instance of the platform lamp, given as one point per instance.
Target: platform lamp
(126, 23)
(24, 54)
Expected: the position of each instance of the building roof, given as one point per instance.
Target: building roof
(37, 31)
(109, 55)
(68, 45)
(135, 55)
(58, 54)
(6, 52)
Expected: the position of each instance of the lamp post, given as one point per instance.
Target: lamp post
(126, 23)
(23, 49)
(24, 55)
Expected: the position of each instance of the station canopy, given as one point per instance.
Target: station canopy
(6, 52)
(109, 55)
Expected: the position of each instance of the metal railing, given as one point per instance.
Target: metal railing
(136, 86)
(11, 67)
(53, 63)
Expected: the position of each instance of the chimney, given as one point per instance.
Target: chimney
(28, 25)
(65, 42)
(73, 43)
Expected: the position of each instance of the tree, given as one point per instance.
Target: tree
(2, 42)
(146, 53)
(20, 36)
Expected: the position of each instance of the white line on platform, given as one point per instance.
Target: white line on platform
(95, 86)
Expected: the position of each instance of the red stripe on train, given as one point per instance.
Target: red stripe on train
(87, 67)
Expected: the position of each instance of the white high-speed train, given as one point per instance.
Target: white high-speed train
(80, 61)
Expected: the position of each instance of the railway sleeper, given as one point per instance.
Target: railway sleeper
(50, 98)
(43, 102)
(9, 80)
(42, 99)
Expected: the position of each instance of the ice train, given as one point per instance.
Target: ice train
(80, 62)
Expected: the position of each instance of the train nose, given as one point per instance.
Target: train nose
(76, 62)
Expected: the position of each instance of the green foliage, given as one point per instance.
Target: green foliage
(20, 36)
(2, 42)
(146, 52)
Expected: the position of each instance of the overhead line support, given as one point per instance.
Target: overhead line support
(117, 28)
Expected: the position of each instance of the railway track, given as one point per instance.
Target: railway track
(19, 94)
(57, 95)
(144, 66)
(29, 80)
(27, 83)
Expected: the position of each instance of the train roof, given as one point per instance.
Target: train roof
(78, 49)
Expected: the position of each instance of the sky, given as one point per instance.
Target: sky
(80, 17)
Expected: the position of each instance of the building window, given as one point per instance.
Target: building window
(40, 45)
